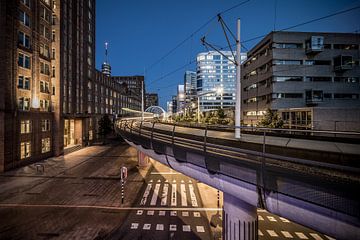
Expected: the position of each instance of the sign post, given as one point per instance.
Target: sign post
(123, 176)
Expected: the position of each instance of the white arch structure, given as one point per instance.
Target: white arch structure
(157, 111)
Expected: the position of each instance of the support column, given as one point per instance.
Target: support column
(239, 219)
(143, 160)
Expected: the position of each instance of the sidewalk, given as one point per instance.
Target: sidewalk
(77, 196)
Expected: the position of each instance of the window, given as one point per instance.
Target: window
(45, 145)
(53, 36)
(25, 126)
(44, 105)
(288, 79)
(26, 2)
(346, 96)
(24, 40)
(287, 95)
(44, 31)
(44, 68)
(24, 60)
(287, 62)
(25, 150)
(346, 79)
(44, 87)
(287, 45)
(318, 79)
(24, 82)
(24, 103)
(45, 125)
(45, 14)
(346, 46)
(44, 50)
(24, 18)
(316, 62)
(53, 71)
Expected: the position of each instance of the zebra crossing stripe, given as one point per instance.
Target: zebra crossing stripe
(164, 194)
(183, 195)
(155, 195)
(146, 194)
(173, 195)
(192, 196)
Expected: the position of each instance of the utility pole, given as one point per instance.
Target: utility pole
(238, 85)
(142, 97)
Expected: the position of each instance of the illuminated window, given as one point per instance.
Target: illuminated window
(45, 145)
(25, 126)
(25, 150)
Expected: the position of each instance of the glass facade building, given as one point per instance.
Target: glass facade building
(216, 72)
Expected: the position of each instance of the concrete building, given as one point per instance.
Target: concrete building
(216, 73)
(300, 73)
(151, 99)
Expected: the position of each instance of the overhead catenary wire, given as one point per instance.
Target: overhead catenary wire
(194, 33)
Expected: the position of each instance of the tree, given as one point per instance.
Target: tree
(105, 126)
(271, 119)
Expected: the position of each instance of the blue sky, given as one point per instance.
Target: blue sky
(140, 32)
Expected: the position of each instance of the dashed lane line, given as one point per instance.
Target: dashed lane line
(301, 235)
(146, 194)
(164, 195)
(155, 195)
(287, 234)
(192, 196)
(183, 195)
(173, 195)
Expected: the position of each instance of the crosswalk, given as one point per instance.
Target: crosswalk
(169, 227)
(181, 194)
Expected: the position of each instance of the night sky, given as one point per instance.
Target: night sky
(140, 32)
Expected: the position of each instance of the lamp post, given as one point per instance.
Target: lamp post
(217, 91)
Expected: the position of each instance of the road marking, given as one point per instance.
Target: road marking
(284, 220)
(164, 194)
(260, 218)
(160, 227)
(17, 205)
(260, 233)
(158, 180)
(196, 214)
(261, 210)
(192, 196)
(139, 212)
(147, 226)
(272, 233)
(146, 194)
(286, 234)
(173, 194)
(162, 213)
(134, 226)
(182, 181)
(200, 229)
(174, 181)
(172, 227)
(271, 219)
(150, 213)
(151, 180)
(183, 195)
(164, 173)
(301, 235)
(155, 195)
(316, 236)
(166, 181)
(190, 181)
(185, 214)
(186, 228)
(173, 213)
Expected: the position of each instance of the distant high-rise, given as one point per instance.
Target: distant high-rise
(180, 99)
(216, 72)
(105, 67)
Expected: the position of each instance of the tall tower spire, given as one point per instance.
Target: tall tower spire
(105, 67)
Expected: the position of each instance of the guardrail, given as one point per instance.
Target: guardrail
(327, 182)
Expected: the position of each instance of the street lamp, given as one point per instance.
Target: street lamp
(218, 91)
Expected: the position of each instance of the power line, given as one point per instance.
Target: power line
(194, 33)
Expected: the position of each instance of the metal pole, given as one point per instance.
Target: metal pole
(142, 99)
(122, 191)
(238, 85)
(198, 109)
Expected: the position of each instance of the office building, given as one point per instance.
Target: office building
(190, 91)
(311, 78)
(180, 99)
(151, 99)
(216, 74)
